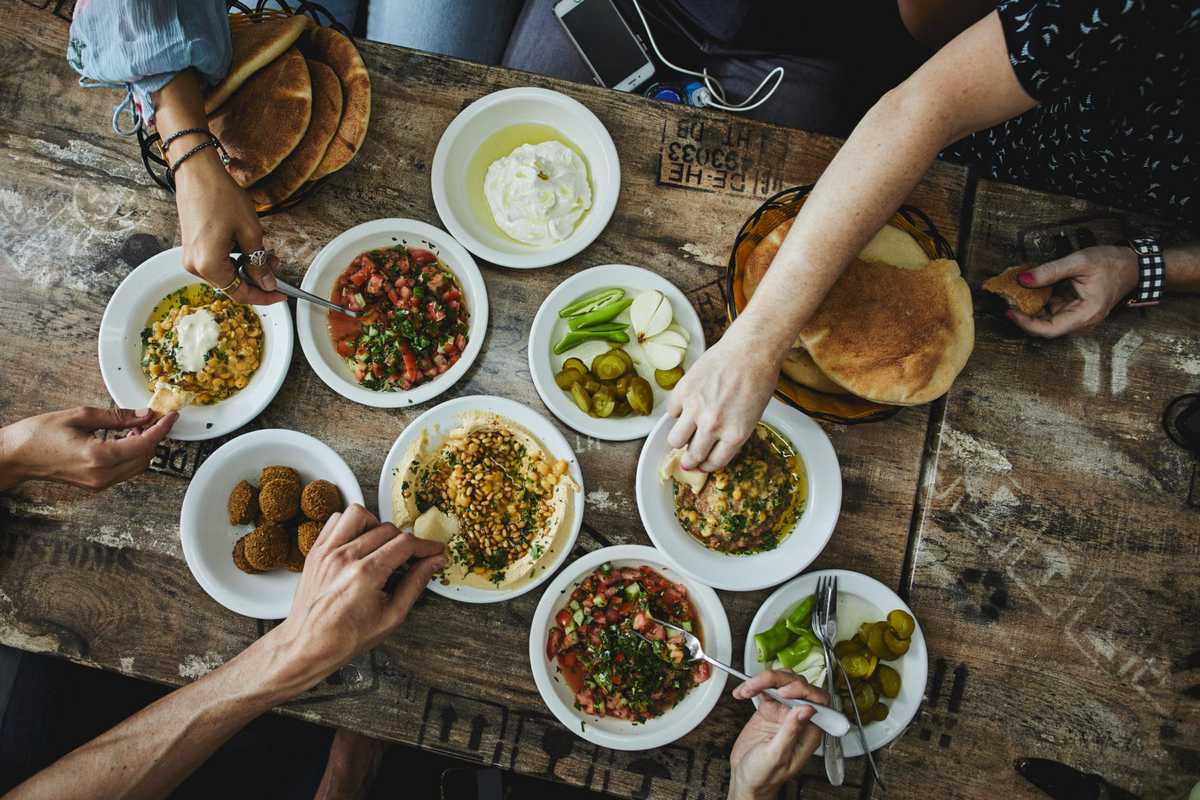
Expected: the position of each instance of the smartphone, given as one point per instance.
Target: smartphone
(603, 38)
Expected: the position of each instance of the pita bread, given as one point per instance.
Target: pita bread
(799, 366)
(339, 53)
(168, 398)
(255, 44)
(892, 335)
(1025, 299)
(265, 119)
(300, 163)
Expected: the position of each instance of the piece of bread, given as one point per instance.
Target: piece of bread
(339, 53)
(799, 366)
(893, 335)
(291, 174)
(266, 118)
(168, 398)
(255, 44)
(1027, 300)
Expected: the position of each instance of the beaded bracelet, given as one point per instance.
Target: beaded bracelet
(213, 142)
(167, 142)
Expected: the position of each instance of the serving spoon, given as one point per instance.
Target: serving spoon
(827, 719)
(289, 290)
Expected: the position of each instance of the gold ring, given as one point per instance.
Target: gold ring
(233, 286)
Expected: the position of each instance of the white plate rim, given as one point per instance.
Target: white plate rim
(113, 339)
(463, 267)
(541, 334)
(541, 428)
(535, 258)
(915, 663)
(346, 482)
(770, 569)
(712, 690)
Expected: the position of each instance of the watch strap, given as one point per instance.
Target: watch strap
(1152, 272)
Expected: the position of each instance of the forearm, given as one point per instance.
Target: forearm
(1183, 267)
(150, 754)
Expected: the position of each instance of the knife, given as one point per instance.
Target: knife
(1067, 783)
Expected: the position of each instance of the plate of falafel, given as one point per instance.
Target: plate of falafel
(252, 513)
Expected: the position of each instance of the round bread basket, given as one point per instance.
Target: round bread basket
(241, 14)
(843, 408)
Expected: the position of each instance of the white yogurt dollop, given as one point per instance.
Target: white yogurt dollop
(195, 335)
(538, 192)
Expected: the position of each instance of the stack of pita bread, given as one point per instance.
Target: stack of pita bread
(896, 328)
(293, 108)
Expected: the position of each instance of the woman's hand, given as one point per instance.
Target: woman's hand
(777, 741)
(341, 607)
(1100, 277)
(721, 398)
(216, 216)
(61, 446)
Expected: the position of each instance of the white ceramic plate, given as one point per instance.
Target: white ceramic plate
(859, 597)
(204, 527)
(503, 109)
(443, 418)
(744, 573)
(313, 321)
(120, 344)
(548, 328)
(617, 733)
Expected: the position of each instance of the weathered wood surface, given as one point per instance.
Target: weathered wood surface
(101, 579)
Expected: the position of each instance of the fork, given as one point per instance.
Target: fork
(828, 636)
(835, 763)
(827, 719)
(290, 291)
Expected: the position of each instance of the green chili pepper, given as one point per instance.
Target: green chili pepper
(602, 314)
(798, 650)
(591, 302)
(576, 338)
(801, 618)
(771, 641)
(603, 327)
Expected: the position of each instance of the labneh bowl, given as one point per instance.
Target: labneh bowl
(312, 321)
(504, 109)
(749, 572)
(620, 734)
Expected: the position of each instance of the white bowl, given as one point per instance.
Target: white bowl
(204, 527)
(493, 113)
(913, 666)
(313, 321)
(548, 328)
(120, 345)
(622, 734)
(439, 421)
(744, 573)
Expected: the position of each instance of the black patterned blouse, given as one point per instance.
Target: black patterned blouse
(1118, 82)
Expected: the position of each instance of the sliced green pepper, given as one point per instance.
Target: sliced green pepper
(604, 313)
(798, 649)
(801, 618)
(771, 641)
(591, 302)
(576, 338)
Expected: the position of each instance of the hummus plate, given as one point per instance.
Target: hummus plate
(455, 456)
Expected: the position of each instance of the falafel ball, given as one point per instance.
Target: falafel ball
(239, 557)
(243, 503)
(319, 500)
(295, 559)
(278, 471)
(266, 547)
(279, 500)
(306, 535)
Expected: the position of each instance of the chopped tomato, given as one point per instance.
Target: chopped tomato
(563, 618)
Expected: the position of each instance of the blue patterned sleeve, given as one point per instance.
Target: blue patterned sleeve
(1064, 47)
(140, 45)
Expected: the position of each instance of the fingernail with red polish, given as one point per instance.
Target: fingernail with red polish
(1026, 278)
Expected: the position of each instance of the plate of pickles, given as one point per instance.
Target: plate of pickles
(607, 347)
(879, 643)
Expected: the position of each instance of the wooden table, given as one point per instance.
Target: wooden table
(1036, 518)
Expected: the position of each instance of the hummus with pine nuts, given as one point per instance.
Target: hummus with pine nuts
(491, 493)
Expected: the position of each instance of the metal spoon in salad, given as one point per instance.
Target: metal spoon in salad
(832, 722)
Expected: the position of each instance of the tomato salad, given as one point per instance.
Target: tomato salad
(613, 671)
(414, 323)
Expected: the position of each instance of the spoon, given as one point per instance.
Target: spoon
(291, 291)
(827, 719)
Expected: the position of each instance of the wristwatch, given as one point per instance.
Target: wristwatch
(1152, 272)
